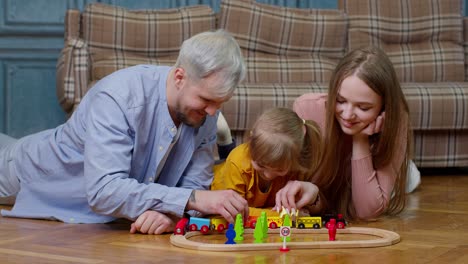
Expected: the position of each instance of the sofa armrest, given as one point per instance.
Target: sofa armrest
(72, 70)
(73, 74)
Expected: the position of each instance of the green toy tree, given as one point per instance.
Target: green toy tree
(287, 222)
(239, 228)
(258, 231)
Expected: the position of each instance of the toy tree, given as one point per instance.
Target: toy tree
(264, 219)
(239, 228)
(258, 231)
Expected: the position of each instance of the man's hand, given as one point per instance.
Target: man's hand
(295, 195)
(226, 203)
(152, 222)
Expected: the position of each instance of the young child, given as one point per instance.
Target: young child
(275, 165)
(365, 119)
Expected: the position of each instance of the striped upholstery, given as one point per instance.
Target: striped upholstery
(261, 67)
(111, 33)
(433, 106)
(299, 41)
(465, 45)
(290, 52)
(284, 31)
(150, 32)
(423, 38)
(438, 111)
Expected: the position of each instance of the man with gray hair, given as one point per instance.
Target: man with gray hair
(139, 146)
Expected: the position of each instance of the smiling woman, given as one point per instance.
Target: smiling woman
(365, 121)
(357, 106)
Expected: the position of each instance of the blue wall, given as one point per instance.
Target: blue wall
(31, 37)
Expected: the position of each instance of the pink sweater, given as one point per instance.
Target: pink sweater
(371, 187)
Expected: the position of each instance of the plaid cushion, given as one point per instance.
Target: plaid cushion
(433, 106)
(284, 31)
(269, 68)
(106, 63)
(422, 37)
(72, 73)
(438, 114)
(441, 148)
(465, 45)
(154, 32)
(437, 106)
(261, 68)
(251, 99)
(432, 148)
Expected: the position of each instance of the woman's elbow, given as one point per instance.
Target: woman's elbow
(371, 211)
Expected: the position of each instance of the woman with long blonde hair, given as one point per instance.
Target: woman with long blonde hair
(367, 137)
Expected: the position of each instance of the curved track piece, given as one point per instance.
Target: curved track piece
(383, 238)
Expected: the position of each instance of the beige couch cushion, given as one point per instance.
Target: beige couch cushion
(423, 38)
(285, 44)
(284, 31)
(118, 37)
(154, 32)
(465, 45)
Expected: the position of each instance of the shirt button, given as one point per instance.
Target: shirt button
(173, 129)
(151, 179)
(160, 148)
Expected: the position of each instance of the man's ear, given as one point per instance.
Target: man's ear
(179, 77)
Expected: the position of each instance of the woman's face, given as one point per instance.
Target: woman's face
(357, 105)
(268, 173)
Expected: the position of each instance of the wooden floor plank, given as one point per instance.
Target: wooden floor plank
(433, 229)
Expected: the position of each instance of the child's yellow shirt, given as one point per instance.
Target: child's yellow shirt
(237, 174)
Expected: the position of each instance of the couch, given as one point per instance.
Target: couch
(290, 52)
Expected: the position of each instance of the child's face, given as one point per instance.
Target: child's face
(268, 173)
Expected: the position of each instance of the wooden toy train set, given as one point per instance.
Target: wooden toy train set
(274, 232)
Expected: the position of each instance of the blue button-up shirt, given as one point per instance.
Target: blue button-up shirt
(100, 165)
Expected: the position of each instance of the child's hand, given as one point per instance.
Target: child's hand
(376, 126)
(152, 222)
(296, 194)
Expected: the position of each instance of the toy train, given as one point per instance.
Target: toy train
(218, 223)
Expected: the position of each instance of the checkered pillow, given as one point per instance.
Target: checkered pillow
(110, 63)
(465, 45)
(423, 38)
(284, 31)
(154, 32)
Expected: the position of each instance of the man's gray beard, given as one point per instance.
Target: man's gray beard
(182, 118)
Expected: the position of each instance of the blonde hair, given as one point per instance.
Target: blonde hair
(281, 139)
(373, 67)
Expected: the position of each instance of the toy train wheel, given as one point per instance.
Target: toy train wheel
(193, 227)
(316, 226)
(301, 226)
(273, 225)
(340, 225)
(220, 228)
(204, 229)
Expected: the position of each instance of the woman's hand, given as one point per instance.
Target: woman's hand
(376, 126)
(295, 195)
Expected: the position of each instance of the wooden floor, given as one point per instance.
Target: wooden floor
(433, 229)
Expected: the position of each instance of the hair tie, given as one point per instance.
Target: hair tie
(303, 121)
